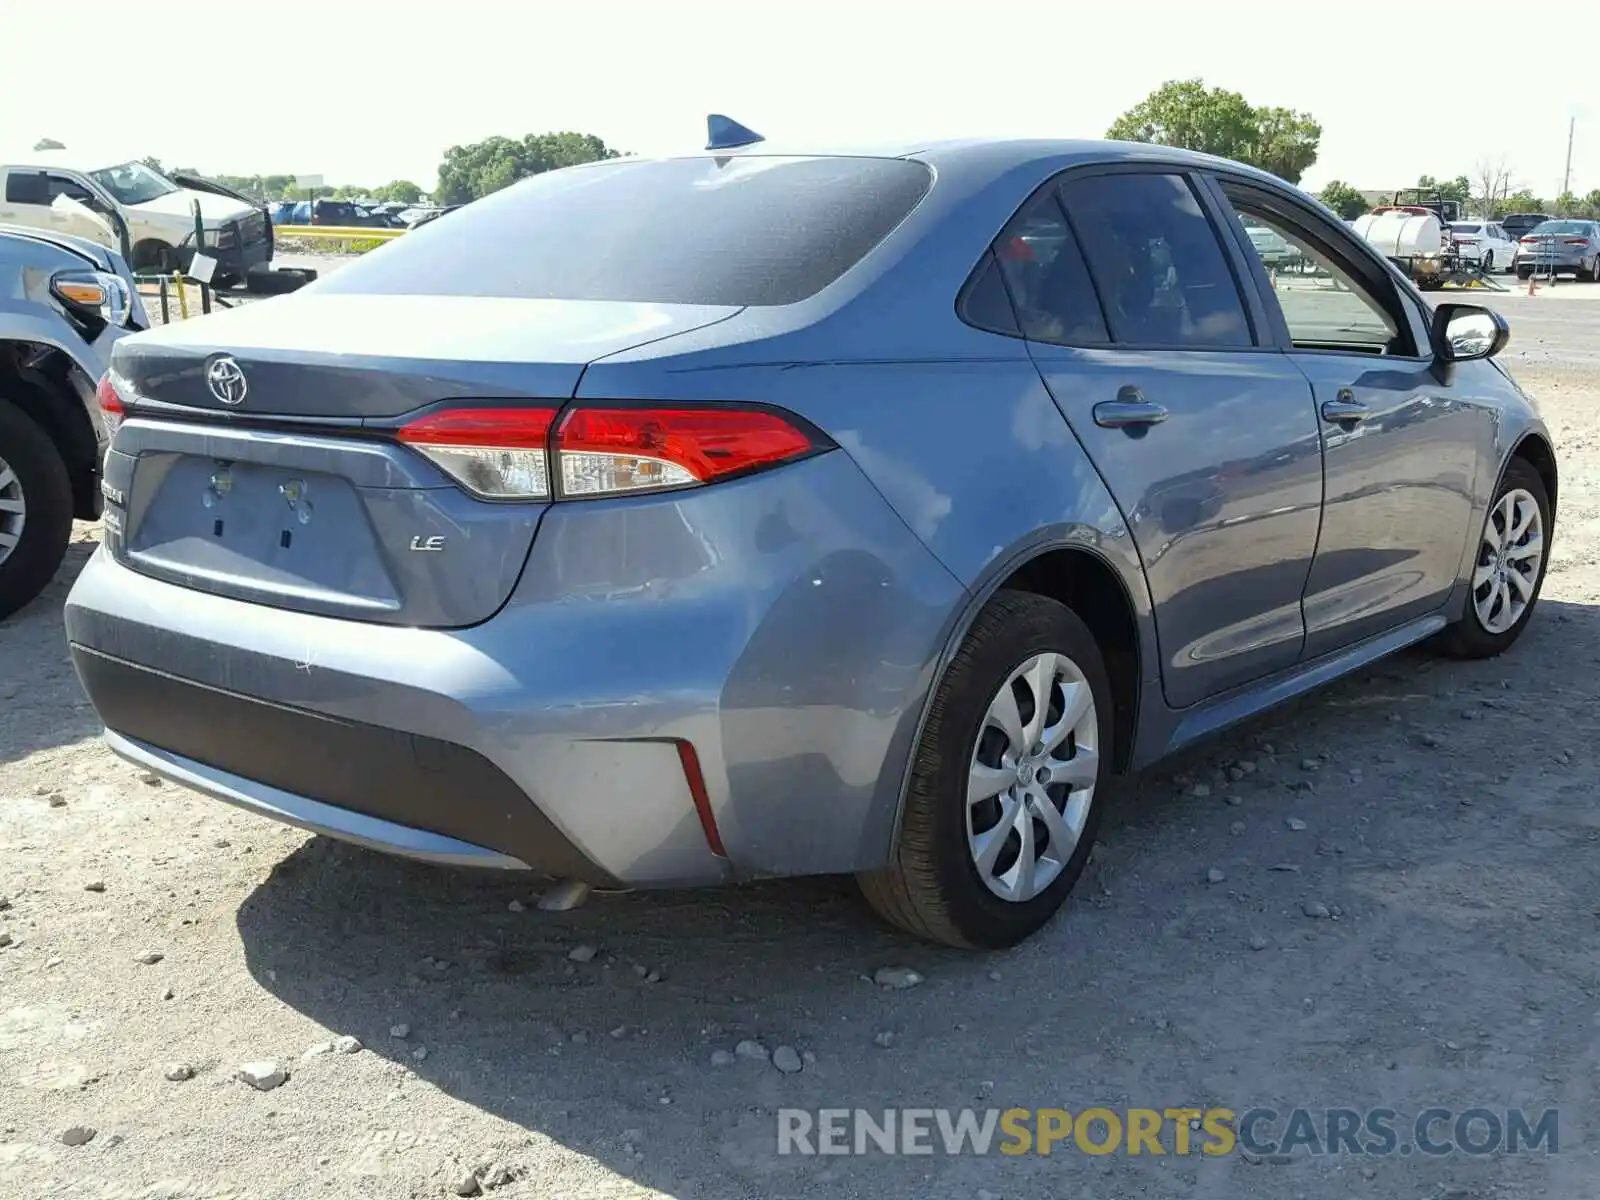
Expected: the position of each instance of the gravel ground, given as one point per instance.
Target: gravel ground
(1406, 916)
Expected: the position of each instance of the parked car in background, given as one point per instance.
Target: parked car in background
(1561, 247)
(157, 212)
(64, 302)
(1517, 224)
(867, 523)
(1485, 243)
(1273, 251)
(345, 213)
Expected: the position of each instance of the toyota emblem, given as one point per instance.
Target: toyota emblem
(225, 378)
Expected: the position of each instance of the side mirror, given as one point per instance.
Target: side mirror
(1462, 332)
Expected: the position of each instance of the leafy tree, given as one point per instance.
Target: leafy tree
(1459, 188)
(1186, 113)
(1344, 200)
(399, 191)
(471, 171)
(1591, 203)
(1520, 201)
(1567, 205)
(48, 144)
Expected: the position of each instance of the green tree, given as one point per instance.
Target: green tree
(1344, 200)
(1187, 114)
(1567, 205)
(1520, 201)
(1459, 188)
(399, 191)
(471, 171)
(1591, 203)
(48, 144)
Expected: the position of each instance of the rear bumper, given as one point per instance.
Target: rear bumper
(784, 627)
(404, 793)
(1544, 262)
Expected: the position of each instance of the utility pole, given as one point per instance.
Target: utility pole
(1566, 176)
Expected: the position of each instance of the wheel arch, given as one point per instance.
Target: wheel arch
(1535, 449)
(50, 388)
(1119, 616)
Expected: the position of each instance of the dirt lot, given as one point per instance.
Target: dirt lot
(1450, 832)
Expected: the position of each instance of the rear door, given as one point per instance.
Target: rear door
(1206, 439)
(1397, 443)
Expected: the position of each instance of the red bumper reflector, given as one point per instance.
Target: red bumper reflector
(702, 802)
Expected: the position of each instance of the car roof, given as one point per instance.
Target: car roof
(981, 156)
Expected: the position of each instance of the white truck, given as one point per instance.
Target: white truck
(133, 198)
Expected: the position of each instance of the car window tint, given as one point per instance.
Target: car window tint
(1155, 259)
(985, 304)
(1324, 306)
(1045, 274)
(737, 230)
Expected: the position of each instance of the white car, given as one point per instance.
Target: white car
(1484, 243)
(157, 214)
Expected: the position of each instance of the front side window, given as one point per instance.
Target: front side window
(1324, 304)
(1160, 271)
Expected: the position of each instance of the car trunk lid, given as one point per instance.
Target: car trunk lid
(277, 477)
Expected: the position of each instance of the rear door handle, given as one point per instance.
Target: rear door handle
(1130, 409)
(1345, 409)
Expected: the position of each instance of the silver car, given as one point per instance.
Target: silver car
(64, 302)
(688, 520)
(1561, 247)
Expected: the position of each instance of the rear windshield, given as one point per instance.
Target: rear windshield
(1554, 227)
(738, 230)
(1462, 227)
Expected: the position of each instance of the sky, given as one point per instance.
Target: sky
(362, 92)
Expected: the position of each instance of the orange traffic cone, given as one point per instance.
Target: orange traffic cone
(1533, 283)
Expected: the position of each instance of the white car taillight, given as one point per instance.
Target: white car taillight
(505, 452)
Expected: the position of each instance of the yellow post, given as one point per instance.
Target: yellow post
(183, 295)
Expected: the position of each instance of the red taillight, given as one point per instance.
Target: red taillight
(496, 452)
(606, 451)
(1576, 241)
(506, 452)
(1530, 241)
(111, 406)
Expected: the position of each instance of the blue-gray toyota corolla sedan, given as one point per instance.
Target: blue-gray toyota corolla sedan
(697, 519)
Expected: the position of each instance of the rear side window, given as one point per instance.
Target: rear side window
(737, 230)
(1160, 271)
(1049, 284)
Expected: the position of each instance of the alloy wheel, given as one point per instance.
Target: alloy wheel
(13, 510)
(1032, 778)
(1509, 558)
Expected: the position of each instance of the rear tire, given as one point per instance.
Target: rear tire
(35, 509)
(1486, 263)
(1524, 272)
(1594, 271)
(1504, 578)
(947, 879)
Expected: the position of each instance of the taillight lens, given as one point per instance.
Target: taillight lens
(510, 453)
(1577, 241)
(495, 452)
(607, 451)
(112, 409)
